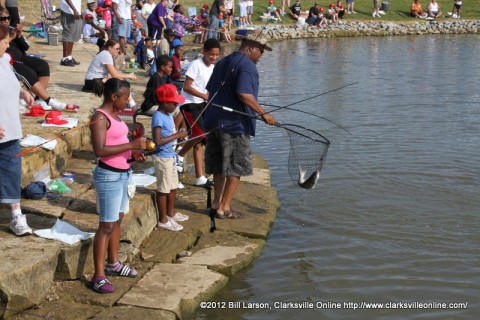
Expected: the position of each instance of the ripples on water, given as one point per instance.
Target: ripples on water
(394, 216)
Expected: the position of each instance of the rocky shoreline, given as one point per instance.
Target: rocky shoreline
(347, 28)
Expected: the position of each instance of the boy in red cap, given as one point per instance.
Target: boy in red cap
(164, 135)
(332, 13)
(272, 10)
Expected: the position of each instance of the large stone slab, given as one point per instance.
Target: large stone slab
(224, 252)
(177, 288)
(131, 312)
(26, 272)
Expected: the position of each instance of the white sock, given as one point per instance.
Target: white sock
(180, 158)
(16, 213)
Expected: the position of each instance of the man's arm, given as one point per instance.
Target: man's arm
(75, 12)
(115, 12)
(250, 101)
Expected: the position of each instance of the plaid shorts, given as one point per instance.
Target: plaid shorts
(229, 154)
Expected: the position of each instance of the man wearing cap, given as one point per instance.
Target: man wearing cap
(234, 84)
(90, 10)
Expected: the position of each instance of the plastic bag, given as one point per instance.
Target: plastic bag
(59, 186)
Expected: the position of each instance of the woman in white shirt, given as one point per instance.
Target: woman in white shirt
(103, 66)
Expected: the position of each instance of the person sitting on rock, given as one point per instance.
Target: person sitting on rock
(416, 10)
(332, 14)
(313, 14)
(272, 11)
(296, 10)
(433, 10)
(93, 33)
(340, 9)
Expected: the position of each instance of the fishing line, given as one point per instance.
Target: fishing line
(24, 152)
(309, 113)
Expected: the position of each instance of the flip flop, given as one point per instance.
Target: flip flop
(125, 271)
(230, 214)
(102, 285)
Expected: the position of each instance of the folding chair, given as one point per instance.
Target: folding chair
(49, 16)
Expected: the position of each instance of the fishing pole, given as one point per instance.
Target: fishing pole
(24, 152)
(258, 116)
(309, 113)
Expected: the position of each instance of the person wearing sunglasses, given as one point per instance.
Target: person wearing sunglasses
(12, 7)
(234, 84)
(32, 71)
(103, 66)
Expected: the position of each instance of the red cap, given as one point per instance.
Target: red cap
(205, 6)
(35, 111)
(108, 3)
(98, 9)
(169, 93)
(332, 5)
(321, 9)
(271, 1)
(55, 117)
(88, 16)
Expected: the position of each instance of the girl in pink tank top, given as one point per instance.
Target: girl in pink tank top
(110, 143)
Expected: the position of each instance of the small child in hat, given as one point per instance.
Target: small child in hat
(164, 134)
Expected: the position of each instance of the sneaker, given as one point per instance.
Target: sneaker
(381, 12)
(180, 185)
(43, 104)
(75, 62)
(57, 105)
(449, 13)
(430, 18)
(203, 182)
(180, 217)
(374, 15)
(67, 63)
(19, 226)
(170, 225)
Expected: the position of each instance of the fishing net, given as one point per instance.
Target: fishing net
(308, 152)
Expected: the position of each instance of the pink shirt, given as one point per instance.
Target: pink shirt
(116, 134)
(107, 16)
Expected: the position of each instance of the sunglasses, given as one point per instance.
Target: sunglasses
(5, 18)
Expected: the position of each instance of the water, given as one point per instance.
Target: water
(394, 217)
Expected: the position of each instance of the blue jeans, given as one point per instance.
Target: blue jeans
(112, 193)
(10, 172)
(212, 32)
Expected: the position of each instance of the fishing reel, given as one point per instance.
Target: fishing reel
(150, 148)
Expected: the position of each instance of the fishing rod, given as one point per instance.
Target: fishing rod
(259, 116)
(24, 152)
(309, 113)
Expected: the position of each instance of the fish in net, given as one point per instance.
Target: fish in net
(308, 152)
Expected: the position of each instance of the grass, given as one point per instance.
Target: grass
(398, 12)
(399, 9)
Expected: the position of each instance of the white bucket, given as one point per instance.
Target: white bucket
(301, 21)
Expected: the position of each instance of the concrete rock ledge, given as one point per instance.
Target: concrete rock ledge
(347, 28)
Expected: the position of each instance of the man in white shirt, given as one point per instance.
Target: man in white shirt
(122, 17)
(71, 20)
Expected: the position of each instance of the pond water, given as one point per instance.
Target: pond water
(394, 217)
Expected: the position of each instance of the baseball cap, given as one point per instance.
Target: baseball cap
(98, 9)
(205, 6)
(55, 117)
(108, 3)
(259, 39)
(176, 43)
(88, 16)
(270, 2)
(35, 111)
(321, 9)
(169, 93)
(90, 1)
(332, 5)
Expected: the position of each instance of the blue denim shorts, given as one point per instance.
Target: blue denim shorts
(124, 29)
(112, 193)
(10, 172)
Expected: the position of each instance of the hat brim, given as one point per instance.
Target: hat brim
(58, 122)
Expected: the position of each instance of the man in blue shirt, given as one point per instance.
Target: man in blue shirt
(234, 84)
